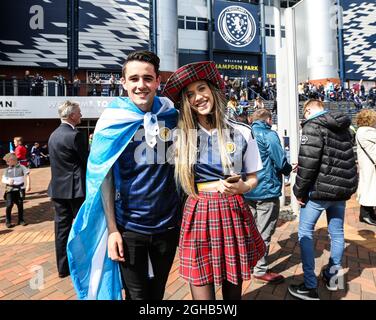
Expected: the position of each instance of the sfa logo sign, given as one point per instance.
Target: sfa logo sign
(236, 26)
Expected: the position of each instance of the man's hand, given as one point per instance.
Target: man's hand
(115, 247)
(300, 201)
(294, 167)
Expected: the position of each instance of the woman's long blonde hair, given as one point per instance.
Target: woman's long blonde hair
(186, 143)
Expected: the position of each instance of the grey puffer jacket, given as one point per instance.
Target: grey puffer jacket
(326, 165)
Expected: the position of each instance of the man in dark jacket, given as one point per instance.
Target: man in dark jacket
(68, 157)
(264, 199)
(326, 178)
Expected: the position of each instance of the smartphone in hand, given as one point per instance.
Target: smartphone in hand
(233, 179)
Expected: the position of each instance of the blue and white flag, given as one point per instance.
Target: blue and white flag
(94, 274)
(11, 149)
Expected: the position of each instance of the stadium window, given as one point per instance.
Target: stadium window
(269, 30)
(191, 23)
(202, 24)
(181, 22)
(284, 4)
(288, 3)
(283, 31)
(247, 1)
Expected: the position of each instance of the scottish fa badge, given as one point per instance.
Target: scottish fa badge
(230, 147)
(236, 26)
(165, 134)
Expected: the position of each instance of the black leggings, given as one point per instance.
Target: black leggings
(161, 248)
(11, 198)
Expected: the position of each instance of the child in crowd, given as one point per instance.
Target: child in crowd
(14, 180)
(20, 151)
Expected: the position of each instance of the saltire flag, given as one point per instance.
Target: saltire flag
(94, 274)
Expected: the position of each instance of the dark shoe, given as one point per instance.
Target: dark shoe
(8, 225)
(301, 292)
(368, 220)
(22, 223)
(331, 284)
(63, 275)
(270, 277)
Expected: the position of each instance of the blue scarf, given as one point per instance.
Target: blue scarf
(94, 274)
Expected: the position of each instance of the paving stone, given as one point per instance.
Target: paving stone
(23, 247)
(368, 295)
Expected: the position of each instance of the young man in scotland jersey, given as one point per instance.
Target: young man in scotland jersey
(132, 206)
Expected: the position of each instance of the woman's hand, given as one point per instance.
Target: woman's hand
(228, 188)
(239, 187)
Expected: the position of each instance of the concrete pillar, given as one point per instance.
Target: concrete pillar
(282, 105)
(167, 34)
(293, 101)
(322, 61)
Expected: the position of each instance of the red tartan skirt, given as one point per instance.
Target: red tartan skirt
(219, 240)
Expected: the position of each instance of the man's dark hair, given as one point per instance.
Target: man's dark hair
(143, 56)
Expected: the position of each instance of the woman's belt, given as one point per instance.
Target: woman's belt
(210, 186)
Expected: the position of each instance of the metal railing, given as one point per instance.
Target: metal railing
(54, 88)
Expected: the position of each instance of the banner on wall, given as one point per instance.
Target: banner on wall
(13, 107)
(237, 65)
(103, 75)
(359, 39)
(110, 29)
(236, 26)
(33, 33)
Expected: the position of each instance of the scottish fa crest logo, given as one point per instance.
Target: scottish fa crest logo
(236, 26)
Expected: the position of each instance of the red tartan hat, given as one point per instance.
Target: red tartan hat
(204, 70)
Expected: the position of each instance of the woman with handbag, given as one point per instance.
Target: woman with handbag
(366, 150)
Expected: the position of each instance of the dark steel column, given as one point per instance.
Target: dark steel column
(263, 44)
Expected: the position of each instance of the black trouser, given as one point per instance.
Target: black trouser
(11, 198)
(65, 212)
(161, 248)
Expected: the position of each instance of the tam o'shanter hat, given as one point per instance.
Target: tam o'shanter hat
(204, 70)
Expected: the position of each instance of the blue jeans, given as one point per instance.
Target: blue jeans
(309, 214)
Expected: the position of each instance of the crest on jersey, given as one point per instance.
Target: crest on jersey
(165, 134)
(230, 147)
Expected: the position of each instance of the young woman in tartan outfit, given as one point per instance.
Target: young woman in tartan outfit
(219, 241)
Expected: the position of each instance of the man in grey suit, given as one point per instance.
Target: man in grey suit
(68, 158)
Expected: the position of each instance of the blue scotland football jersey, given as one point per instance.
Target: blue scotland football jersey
(241, 149)
(146, 198)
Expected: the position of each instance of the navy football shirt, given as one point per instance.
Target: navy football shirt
(146, 198)
(241, 150)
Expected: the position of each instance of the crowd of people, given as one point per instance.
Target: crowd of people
(156, 179)
(328, 91)
(331, 91)
(36, 85)
(250, 88)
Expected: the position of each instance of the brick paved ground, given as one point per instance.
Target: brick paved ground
(28, 251)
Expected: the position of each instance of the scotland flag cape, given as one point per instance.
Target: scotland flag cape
(94, 274)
